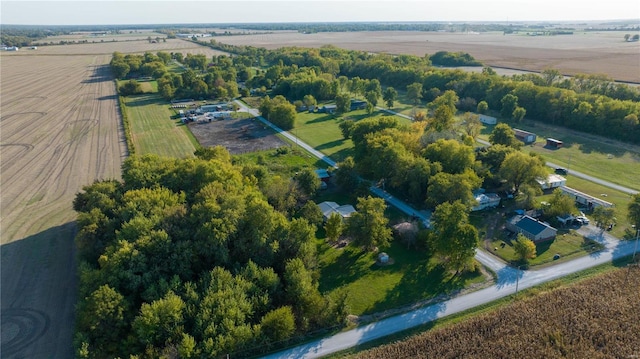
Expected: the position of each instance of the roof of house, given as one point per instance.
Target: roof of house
(530, 224)
(322, 173)
(328, 208)
(551, 178)
(577, 193)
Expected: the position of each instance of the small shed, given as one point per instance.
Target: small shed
(553, 143)
(525, 136)
(383, 258)
(328, 109)
(323, 175)
(487, 120)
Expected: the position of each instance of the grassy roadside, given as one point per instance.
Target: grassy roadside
(569, 280)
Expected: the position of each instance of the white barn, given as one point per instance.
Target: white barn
(487, 120)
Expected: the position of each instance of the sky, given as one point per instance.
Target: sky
(96, 12)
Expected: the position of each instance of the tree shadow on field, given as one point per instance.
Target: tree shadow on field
(101, 73)
(39, 287)
(109, 97)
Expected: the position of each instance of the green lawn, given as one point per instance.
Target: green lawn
(372, 288)
(321, 131)
(285, 165)
(153, 130)
(598, 157)
(568, 244)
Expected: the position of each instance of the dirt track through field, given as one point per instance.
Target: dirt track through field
(59, 130)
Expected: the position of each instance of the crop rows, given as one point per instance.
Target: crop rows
(597, 318)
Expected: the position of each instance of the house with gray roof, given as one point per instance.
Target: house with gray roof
(328, 208)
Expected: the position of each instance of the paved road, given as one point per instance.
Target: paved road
(509, 280)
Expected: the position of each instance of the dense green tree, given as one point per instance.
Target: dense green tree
(448, 98)
(333, 227)
(283, 115)
(453, 238)
(160, 321)
(368, 226)
(131, 87)
(560, 204)
(443, 119)
(311, 212)
(414, 93)
(471, 124)
(343, 103)
(308, 182)
(633, 213)
(103, 317)
(347, 175)
(389, 96)
(301, 292)
(503, 134)
(518, 114)
(372, 97)
(509, 103)
(524, 248)
(445, 187)
(453, 156)
(279, 324)
(120, 69)
(519, 168)
(309, 101)
(604, 216)
(482, 107)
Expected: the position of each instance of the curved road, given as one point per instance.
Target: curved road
(509, 280)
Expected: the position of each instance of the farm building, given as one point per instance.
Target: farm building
(331, 109)
(214, 108)
(531, 228)
(323, 175)
(358, 105)
(525, 136)
(487, 120)
(552, 181)
(553, 143)
(584, 199)
(328, 208)
(486, 200)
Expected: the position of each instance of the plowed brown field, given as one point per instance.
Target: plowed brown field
(583, 52)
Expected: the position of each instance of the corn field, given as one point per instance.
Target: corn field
(596, 318)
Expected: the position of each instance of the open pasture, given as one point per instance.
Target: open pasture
(124, 35)
(582, 52)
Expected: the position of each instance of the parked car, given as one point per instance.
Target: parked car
(562, 171)
(582, 220)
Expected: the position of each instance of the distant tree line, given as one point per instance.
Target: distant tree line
(587, 103)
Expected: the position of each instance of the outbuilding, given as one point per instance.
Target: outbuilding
(487, 120)
(525, 136)
(585, 199)
(553, 143)
(552, 181)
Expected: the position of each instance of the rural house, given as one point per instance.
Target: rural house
(552, 181)
(486, 200)
(328, 208)
(330, 109)
(531, 228)
(525, 136)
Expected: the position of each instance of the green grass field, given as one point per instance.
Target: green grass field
(598, 157)
(372, 288)
(154, 130)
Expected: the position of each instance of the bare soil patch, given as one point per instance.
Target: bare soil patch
(582, 52)
(236, 135)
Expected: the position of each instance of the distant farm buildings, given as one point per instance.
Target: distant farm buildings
(487, 120)
(525, 136)
(553, 143)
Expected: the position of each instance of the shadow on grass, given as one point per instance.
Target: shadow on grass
(345, 269)
(321, 119)
(142, 100)
(330, 144)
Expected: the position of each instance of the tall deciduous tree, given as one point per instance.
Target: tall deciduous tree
(560, 204)
(519, 168)
(604, 216)
(633, 213)
(524, 247)
(503, 134)
(333, 227)
(389, 96)
(453, 239)
(482, 107)
(414, 93)
(368, 226)
(509, 104)
(343, 103)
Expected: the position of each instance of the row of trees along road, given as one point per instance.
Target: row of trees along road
(191, 258)
(588, 103)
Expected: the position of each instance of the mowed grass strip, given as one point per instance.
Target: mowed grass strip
(154, 130)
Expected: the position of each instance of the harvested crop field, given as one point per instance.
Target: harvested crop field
(60, 131)
(597, 318)
(125, 47)
(583, 52)
(237, 135)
